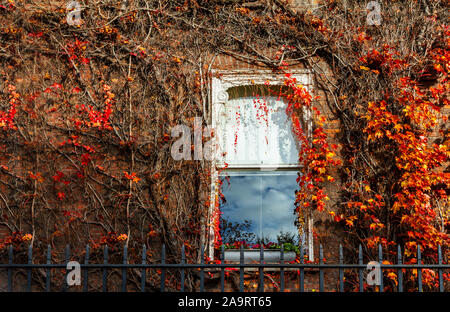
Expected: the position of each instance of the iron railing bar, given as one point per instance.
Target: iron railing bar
(241, 271)
(440, 273)
(67, 256)
(124, 270)
(399, 271)
(302, 271)
(321, 268)
(202, 270)
(30, 261)
(183, 260)
(143, 272)
(10, 262)
(380, 260)
(86, 271)
(163, 270)
(419, 271)
(47, 275)
(282, 269)
(341, 271)
(360, 271)
(105, 272)
(261, 269)
(222, 270)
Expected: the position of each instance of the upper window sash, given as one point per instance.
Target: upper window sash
(248, 142)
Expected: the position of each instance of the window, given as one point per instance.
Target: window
(257, 159)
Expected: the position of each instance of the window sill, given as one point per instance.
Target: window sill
(253, 256)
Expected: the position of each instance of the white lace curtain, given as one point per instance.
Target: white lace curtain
(256, 131)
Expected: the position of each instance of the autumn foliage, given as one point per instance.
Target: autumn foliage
(86, 114)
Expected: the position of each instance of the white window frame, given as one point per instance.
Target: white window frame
(221, 82)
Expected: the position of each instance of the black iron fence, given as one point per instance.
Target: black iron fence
(221, 266)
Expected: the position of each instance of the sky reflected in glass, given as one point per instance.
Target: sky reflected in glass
(266, 199)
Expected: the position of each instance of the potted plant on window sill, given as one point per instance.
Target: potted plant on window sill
(271, 252)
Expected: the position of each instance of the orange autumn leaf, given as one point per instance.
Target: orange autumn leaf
(132, 176)
(36, 176)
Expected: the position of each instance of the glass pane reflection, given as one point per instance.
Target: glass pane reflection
(259, 207)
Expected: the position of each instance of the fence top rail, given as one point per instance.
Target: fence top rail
(228, 264)
(225, 265)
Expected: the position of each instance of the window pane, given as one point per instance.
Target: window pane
(254, 131)
(259, 205)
